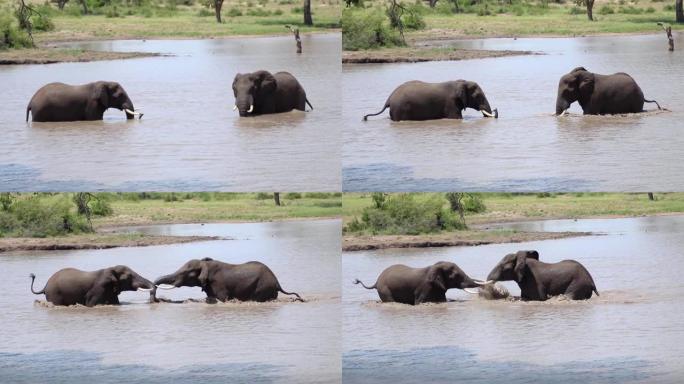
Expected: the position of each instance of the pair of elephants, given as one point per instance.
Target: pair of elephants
(251, 281)
(597, 95)
(537, 280)
(255, 93)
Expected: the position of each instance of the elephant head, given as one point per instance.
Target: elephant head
(447, 275)
(249, 88)
(123, 279)
(512, 266)
(110, 94)
(574, 86)
(194, 273)
(470, 95)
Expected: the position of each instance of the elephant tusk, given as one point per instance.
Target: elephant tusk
(472, 291)
(480, 282)
(234, 107)
(251, 108)
(485, 113)
(141, 289)
(563, 113)
(167, 286)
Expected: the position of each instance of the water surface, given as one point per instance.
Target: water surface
(281, 341)
(631, 333)
(189, 137)
(527, 148)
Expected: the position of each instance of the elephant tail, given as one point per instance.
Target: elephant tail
(307, 102)
(299, 298)
(33, 278)
(375, 114)
(28, 109)
(357, 281)
(656, 103)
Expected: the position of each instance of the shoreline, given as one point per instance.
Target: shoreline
(95, 241)
(112, 228)
(419, 55)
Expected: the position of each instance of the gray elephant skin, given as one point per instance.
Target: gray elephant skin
(417, 100)
(251, 281)
(71, 286)
(63, 102)
(402, 284)
(600, 94)
(261, 93)
(538, 280)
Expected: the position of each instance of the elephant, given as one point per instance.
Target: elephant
(402, 284)
(251, 281)
(600, 94)
(490, 292)
(538, 280)
(63, 102)
(261, 92)
(417, 100)
(70, 286)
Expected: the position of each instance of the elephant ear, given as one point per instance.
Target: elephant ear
(520, 264)
(267, 83)
(110, 280)
(586, 83)
(578, 69)
(102, 94)
(533, 255)
(435, 277)
(462, 94)
(204, 274)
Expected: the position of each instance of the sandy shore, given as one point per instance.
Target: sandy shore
(421, 54)
(451, 239)
(94, 241)
(51, 55)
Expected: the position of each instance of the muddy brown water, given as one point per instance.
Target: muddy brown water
(631, 333)
(527, 148)
(189, 138)
(281, 341)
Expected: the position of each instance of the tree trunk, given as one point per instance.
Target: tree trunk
(307, 13)
(433, 3)
(217, 6)
(85, 7)
(61, 4)
(590, 9)
(679, 11)
(276, 197)
(650, 196)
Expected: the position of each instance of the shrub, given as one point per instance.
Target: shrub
(367, 29)
(328, 204)
(669, 8)
(101, 207)
(473, 204)
(293, 195)
(650, 10)
(277, 12)
(297, 10)
(630, 10)
(264, 196)
(575, 10)
(606, 10)
(259, 12)
(543, 195)
(320, 195)
(34, 217)
(10, 34)
(203, 12)
(414, 18)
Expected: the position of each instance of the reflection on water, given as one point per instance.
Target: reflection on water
(527, 148)
(192, 341)
(189, 138)
(629, 333)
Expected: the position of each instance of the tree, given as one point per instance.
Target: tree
(308, 20)
(276, 197)
(679, 11)
(218, 4)
(590, 7)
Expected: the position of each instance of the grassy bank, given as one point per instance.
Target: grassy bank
(52, 221)
(160, 20)
(505, 208)
(428, 28)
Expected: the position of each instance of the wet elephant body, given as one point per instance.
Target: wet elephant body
(71, 286)
(63, 102)
(261, 93)
(418, 100)
(402, 284)
(539, 281)
(251, 281)
(600, 94)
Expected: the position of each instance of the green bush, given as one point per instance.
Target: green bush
(258, 12)
(264, 196)
(10, 34)
(297, 10)
(630, 10)
(473, 203)
(35, 217)
(101, 207)
(293, 195)
(606, 10)
(367, 29)
(414, 18)
(650, 10)
(277, 12)
(574, 10)
(328, 204)
(234, 12)
(73, 9)
(321, 195)
(669, 8)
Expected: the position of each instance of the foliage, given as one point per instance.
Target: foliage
(367, 29)
(606, 10)
(39, 216)
(264, 196)
(11, 36)
(234, 12)
(101, 207)
(413, 18)
(293, 195)
(402, 214)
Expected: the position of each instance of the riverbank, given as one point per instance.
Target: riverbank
(498, 20)
(94, 241)
(449, 239)
(51, 55)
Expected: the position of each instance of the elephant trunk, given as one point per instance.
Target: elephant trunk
(129, 109)
(487, 110)
(245, 104)
(561, 106)
(166, 279)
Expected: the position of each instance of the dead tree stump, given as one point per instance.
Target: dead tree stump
(295, 32)
(668, 30)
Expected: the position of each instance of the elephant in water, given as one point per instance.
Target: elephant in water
(407, 285)
(490, 291)
(71, 286)
(251, 281)
(62, 102)
(261, 92)
(539, 281)
(600, 94)
(416, 100)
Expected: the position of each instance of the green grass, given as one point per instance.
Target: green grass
(508, 207)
